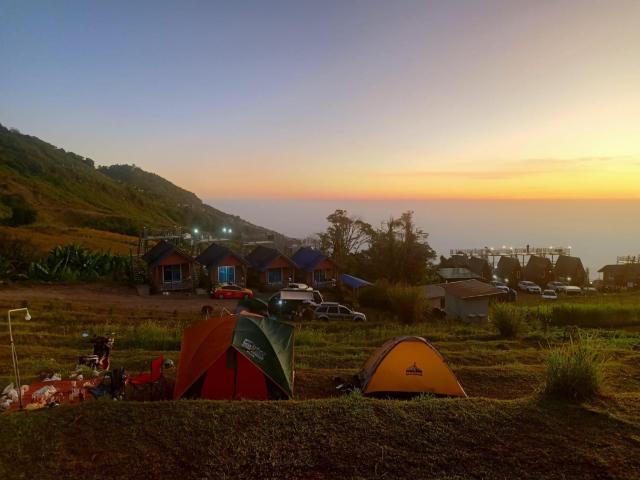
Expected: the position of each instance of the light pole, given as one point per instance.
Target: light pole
(14, 356)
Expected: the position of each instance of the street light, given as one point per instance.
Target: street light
(14, 356)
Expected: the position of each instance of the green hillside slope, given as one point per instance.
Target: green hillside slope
(42, 185)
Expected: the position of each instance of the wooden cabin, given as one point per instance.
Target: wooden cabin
(223, 265)
(315, 268)
(169, 268)
(269, 268)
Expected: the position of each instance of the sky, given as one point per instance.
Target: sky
(350, 99)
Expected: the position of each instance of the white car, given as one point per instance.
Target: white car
(529, 287)
(571, 290)
(550, 295)
(557, 286)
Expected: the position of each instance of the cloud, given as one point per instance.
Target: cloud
(514, 169)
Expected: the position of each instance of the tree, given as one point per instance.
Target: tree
(398, 252)
(345, 236)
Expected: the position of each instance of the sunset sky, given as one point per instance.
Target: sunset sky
(344, 99)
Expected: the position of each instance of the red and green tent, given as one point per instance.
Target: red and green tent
(236, 357)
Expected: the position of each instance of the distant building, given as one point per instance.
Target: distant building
(509, 271)
(169, 268)
(626, 275)
(223, 265)
(569, 269)
(538, 270)
(479, 266)
(469, 300)
(314, 267)
(268, 267)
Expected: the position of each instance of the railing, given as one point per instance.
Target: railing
(172, 286)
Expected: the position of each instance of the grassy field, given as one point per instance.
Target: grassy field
(505, 430)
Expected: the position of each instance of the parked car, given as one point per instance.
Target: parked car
(335, 311)
(292, 301)
(589, 290)
(498, 284)
(571, 290)
(550, 294)
(556, 286)
(231, 291)
(529, 287)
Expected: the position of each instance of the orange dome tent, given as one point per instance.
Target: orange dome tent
(408, 366)
(236, 357)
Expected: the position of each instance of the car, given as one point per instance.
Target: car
(293, 301)
(572, 290)
(549, 294)
(231, 291)
(336, 311)
(529, 287)
(556, 286)
(299, 286)
(499, 284)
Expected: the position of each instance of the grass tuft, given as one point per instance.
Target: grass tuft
(509, 320)
(575, 370)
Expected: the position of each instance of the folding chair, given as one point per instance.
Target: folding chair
(152, 378)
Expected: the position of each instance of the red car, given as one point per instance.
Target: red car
(231, 292)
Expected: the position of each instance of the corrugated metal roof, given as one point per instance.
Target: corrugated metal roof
(456, 273)
(353, 282)
(470, 289)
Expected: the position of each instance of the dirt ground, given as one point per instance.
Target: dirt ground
(113, 296)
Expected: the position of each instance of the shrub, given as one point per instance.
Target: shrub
(509, 320)
(597, 316)
(408, 303)
(21, 212)
(575, 370)
(376, 295)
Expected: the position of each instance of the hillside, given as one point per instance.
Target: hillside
(45, 187)
(339, 438)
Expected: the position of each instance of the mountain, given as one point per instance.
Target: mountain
(44, 187)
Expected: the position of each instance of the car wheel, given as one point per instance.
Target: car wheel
(323, 318)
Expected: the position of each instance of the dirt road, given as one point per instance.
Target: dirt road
(108, 295)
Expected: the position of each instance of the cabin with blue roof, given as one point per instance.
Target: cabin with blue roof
(315, 268)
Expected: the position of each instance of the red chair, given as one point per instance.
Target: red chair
(152, 378)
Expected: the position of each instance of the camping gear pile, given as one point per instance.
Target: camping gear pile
(101, 358)
(240, 356)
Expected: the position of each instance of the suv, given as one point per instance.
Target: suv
(333, 310)
(529, 287)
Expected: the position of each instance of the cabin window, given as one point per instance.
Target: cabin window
(172, 274)
(227, 274)
(274, 275)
